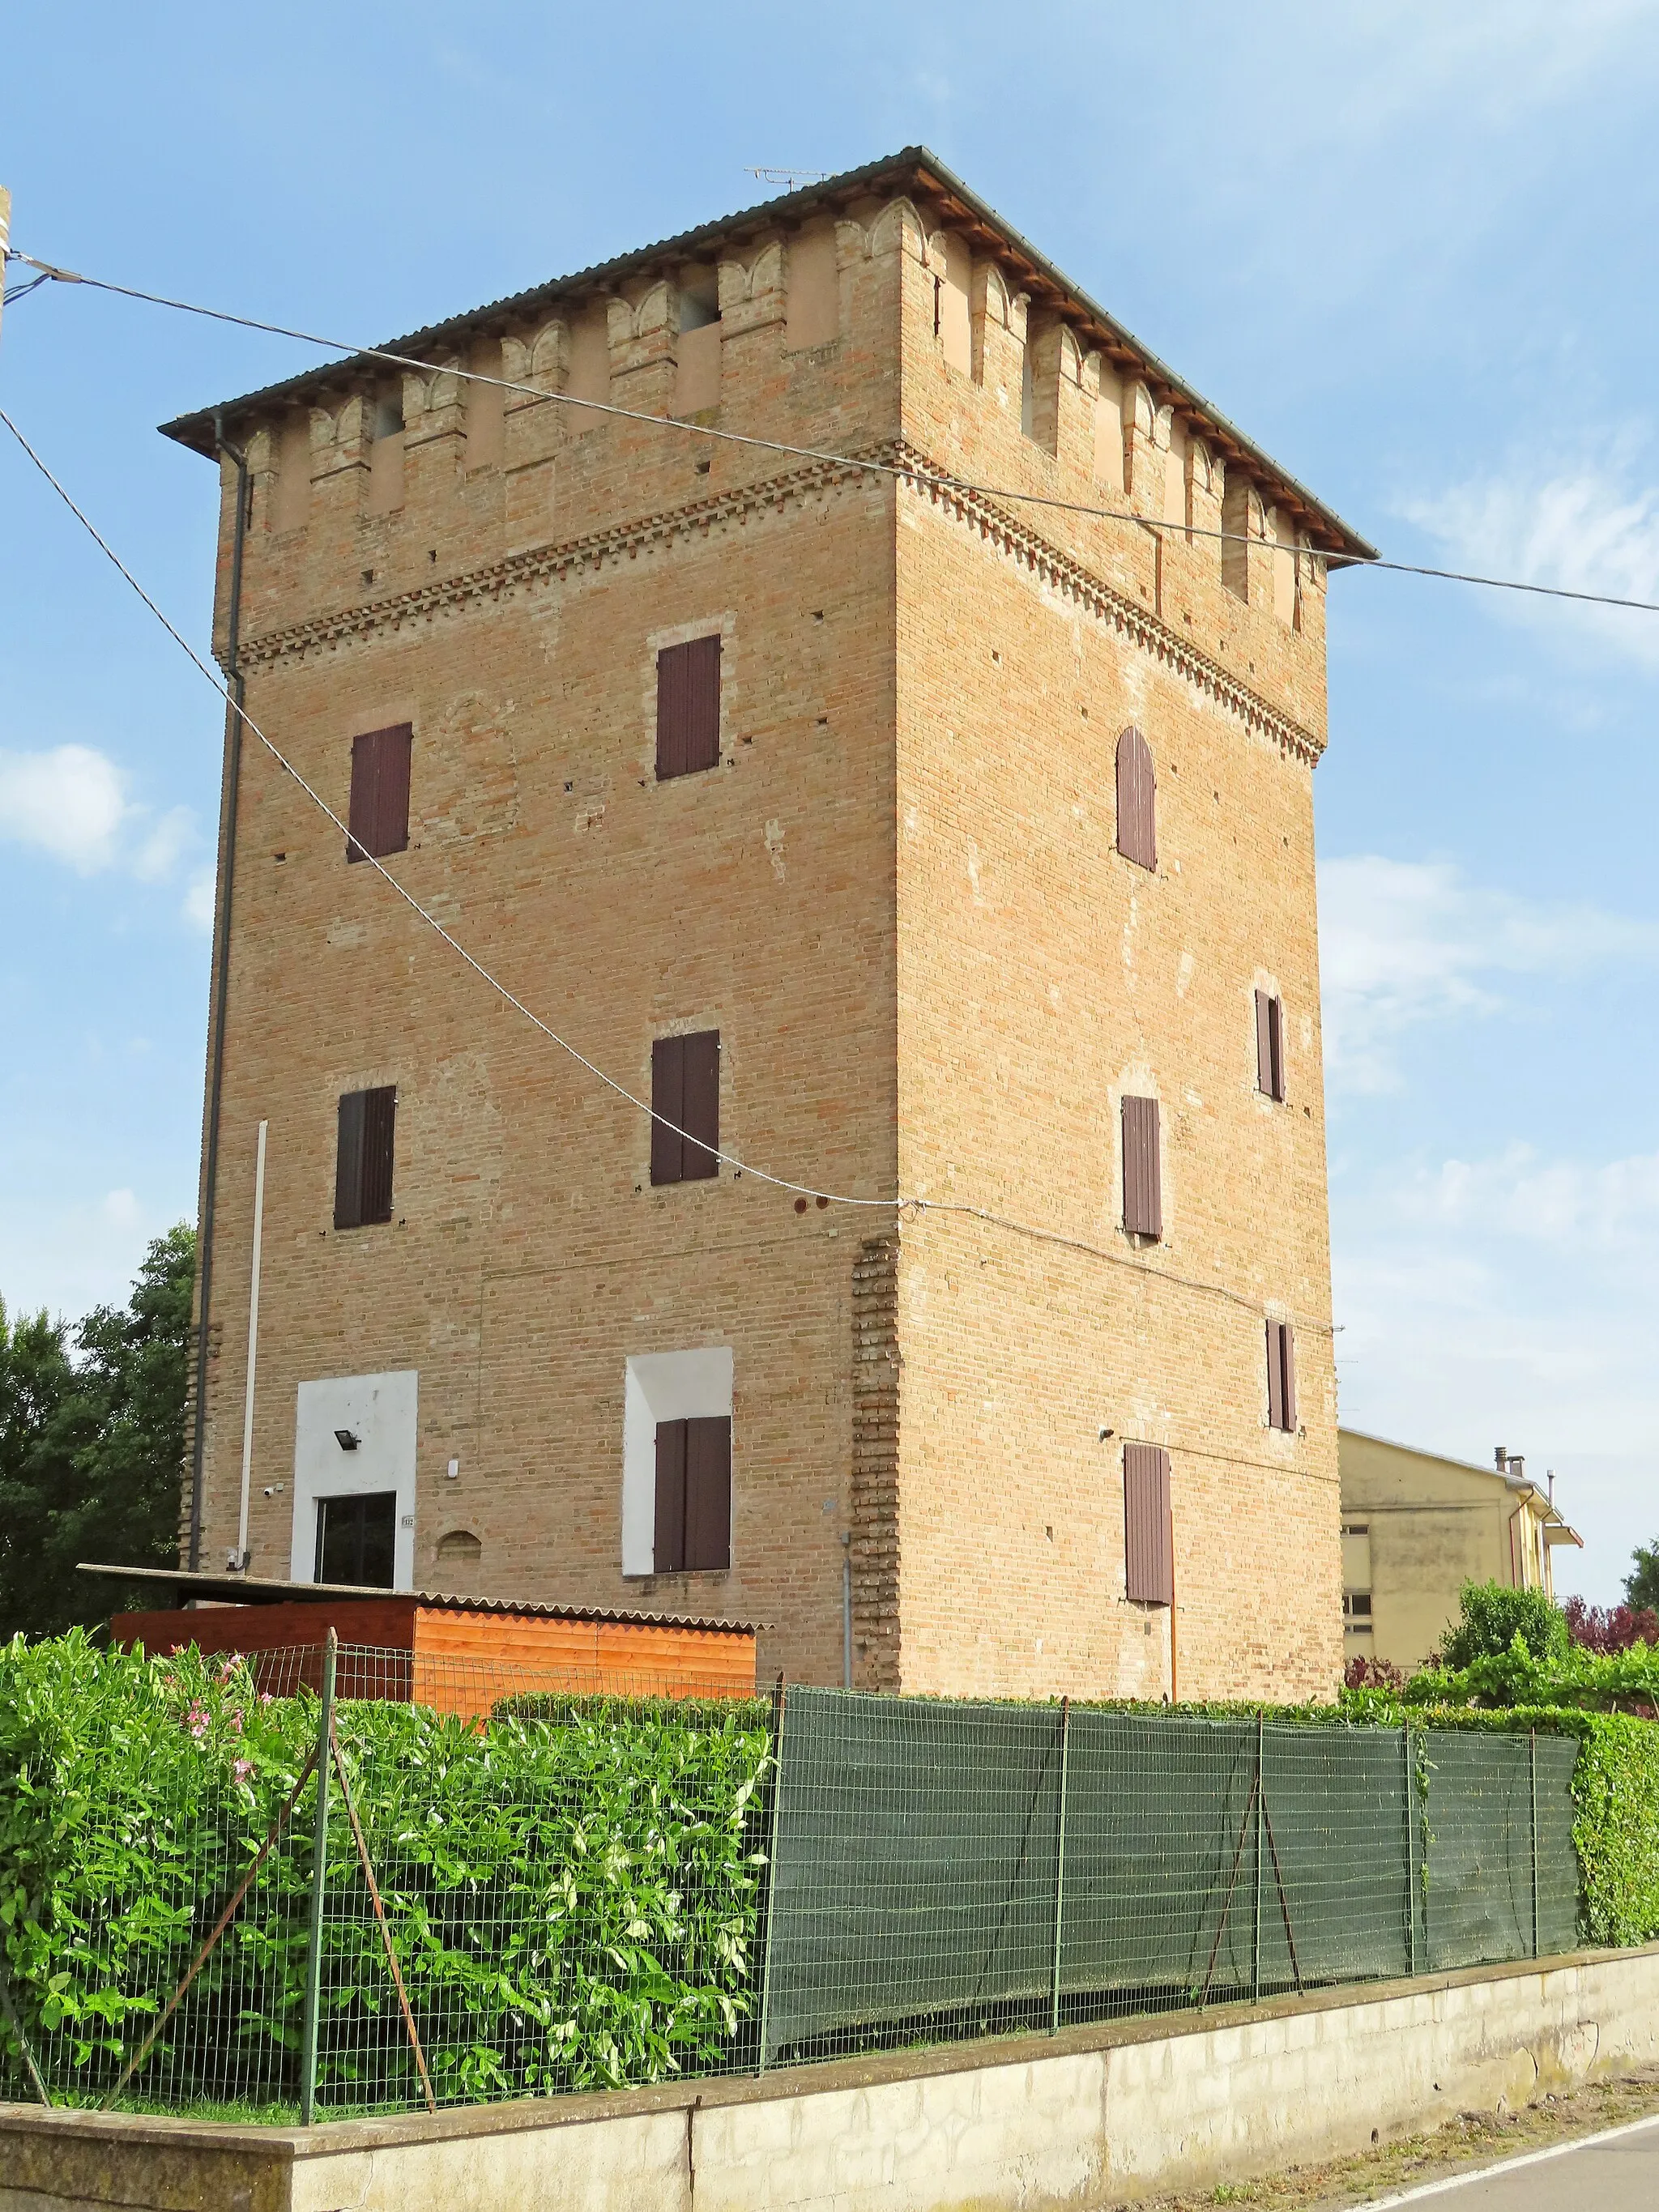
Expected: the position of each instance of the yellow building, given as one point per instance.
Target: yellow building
(1417, 1527)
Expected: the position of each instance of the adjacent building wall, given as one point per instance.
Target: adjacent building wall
(1416, 1528)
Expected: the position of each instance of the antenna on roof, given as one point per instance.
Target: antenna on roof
(792, 180)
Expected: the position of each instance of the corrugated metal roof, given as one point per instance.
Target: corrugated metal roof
(196, 430)
(258, 1589)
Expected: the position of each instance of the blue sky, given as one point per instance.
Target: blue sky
(1409, 247)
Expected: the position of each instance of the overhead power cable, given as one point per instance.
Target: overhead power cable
(897, 1203)
(932, 479)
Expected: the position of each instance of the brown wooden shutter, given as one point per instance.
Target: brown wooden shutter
(709, 1494)
(1137, 800)
(702, 1122)
(1264, 1050)
(379, 1121)
(1281, 1375)
(668, 1100)
(668, 1541)
(1287, 1343)
(1148, 1562)
(1269, 1045)
(378, 821)
(349, 1163)
(392, 823)
(688, 707)
(1143, 1196)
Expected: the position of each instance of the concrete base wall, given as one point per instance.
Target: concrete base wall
(1093, 2116)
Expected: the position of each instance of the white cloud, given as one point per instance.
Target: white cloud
(1610, 1207)
(198, 899)
(121, 1209)
(71, 802)
(1497, 61)
(74, 803)
(164, 845)
(1409, 941)
(1593, 526)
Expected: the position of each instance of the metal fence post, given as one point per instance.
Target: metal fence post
(1060, 1863)
(1411, 1849)
(780, 1704)
(1531, 1781)
(1255, 1937)
(319, 1890)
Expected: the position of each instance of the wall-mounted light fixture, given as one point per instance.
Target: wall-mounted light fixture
(1107, 1432)
(346, 1440)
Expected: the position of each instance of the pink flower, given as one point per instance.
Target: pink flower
(243, 1768)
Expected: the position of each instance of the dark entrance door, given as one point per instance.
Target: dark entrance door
(357, 1539)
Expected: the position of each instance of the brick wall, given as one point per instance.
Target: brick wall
(896, 899)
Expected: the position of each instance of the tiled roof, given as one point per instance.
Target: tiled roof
(259, 1589)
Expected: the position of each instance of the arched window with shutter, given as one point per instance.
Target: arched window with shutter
(1137, 800)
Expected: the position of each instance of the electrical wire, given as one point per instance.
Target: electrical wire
(897, 1203)
(22, 291)
(932, 479)
(729, 1159)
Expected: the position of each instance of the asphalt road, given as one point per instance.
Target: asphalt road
(1618, 2171)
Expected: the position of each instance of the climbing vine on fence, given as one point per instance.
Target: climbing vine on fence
(572, 1891)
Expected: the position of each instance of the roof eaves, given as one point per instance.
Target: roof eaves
(196, 430)
(265, 1590)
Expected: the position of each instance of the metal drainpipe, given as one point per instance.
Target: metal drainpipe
(222, 987)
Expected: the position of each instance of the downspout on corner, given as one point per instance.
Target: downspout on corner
(238, 458)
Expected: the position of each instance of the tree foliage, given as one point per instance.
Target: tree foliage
(1642, 1584)
(92, 1443)
(1490, 1617)
(1612, 1628)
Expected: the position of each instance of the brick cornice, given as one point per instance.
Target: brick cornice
(625, 541)
(1065, 573)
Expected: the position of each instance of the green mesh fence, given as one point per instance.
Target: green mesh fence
(963, 1867)
(523, 1885)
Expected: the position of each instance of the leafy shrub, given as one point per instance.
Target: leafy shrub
(572, 1899)
(1610, 1628)
(1596, 1680)
(1490, 1617)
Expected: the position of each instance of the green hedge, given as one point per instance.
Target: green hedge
(1615, 1789)
(574, 1899)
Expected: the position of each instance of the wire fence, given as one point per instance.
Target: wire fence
(520, 1880)
(952, 1867)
